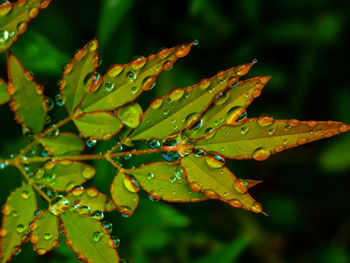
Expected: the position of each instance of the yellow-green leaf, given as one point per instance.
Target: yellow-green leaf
(63, 144)
(181, 108)
(45, 233)
(91, 198)
(4, 95)
(14, 19)
(18, 213)
(167, 182)
(124, 194)
(229, 106)
(64, 175)
(208, 175)
(98, 125)
(79, 76)
(258, 138)
(124, 83)
(130, 114)
(27, 99)
(88, 239)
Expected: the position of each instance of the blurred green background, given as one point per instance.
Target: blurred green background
(302, 44)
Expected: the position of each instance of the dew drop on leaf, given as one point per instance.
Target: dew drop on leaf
(156, 103)
(178, 173)
(49, 102)
(109, 86)
(3, 232)
(27, 132)
(131, 75)
(244, 130)
(47, 236)
(108, 226)
(265, 120)
(4, 36)
(59, 100)
(235, 203)
(215, 161)
(98, 215)
(92, 192)
(153, 144)
(173, 179)
(90, 143)
(176, 94)
(20, 228)
(182, 51)
(150, 176)
(261, 154)
(97, 236)
(25, 195)
(241, 186)
(84, 210)
(88, 173)
(116, 241)
(115, 70)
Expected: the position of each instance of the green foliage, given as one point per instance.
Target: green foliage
(185, 135)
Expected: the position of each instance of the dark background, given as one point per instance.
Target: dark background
(302, 44)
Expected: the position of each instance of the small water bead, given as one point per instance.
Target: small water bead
(182, 51)
(131, 75)
(55, 132)
(127, 156)
(293, 122)
(241, 186)
(4, 36)
(215, 161)
(37, 213)
(195, 187)
(150, 176)
(90, 143)
(92, 192)
(254, 60)
(153, 196)
(25, 195)
(271, 131)
(33, 12)
(156, 103)
(115, 240)
(97, 215)
(20, 228)
(88, 173)
(195, 42)
(148, 83)
(170, 156)
(261, 154)
(27, 132)
(47, 236)
(5, 9)
(84, 210)
(59, 100)
(256, 208)
(235, 203)
(138, 62)
(302, 141)
(265, 120)
(176, 94)
(17, 250)
(97, 236)
(3, 232)
(115, 70)
(109, 86)
(179, 173)
(134, 90)
(125, 211)
(221, 99)
(204, 84)
(198, 152)
(153, 144)
(173, 179)
(108, 226)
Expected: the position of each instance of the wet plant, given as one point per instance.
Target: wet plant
(190, 132)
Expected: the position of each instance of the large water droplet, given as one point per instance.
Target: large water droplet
(265, 120)
(97, 215)
(182, 51)
(234, 115)
(241, 186)
(215, 161)
(130, 114)
(261, 154)
(192, 120)
(176, 94)
(131, 185)
(90, 143)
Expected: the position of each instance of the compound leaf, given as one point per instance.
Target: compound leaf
(79, 76)
(229, 106)
(167, 182)
(27, 99)
(124, 194)
(208, 175)
(18, 212)
(63, 144)
(88, 238)
(4, 95)
(45, 233)
(98, 125)
(181, 108)
(15, 18)
(64, 175)
(124, 83)
(258, 138)
(91, 198)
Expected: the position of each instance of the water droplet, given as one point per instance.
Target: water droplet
(302, 141)
(108, 226)
(20, 228)
(97, 215)
(176, 94)
(115, 70)
(93, 45)
(54, 132)
(173, 179)
(5, 9)
(41, 251)
(25, 195)
(150, 176)
(265, 120)
(344, 128)
(235, 114)
(92, 192)
(37, 213)
(211, 194)
(170, 156)
(195, 187)
(241, 186)
(195, 42)
(33, 12)
(88, 173)
(90, 143)
(47, 236)
(312, 124)
(271, 131)
(198, 152)
(153, 144)
(4, 36)
(131, 75)
(59, 101)
(244, 130)
(97, 236)
(27, 132)
(138, 63)
(293, 122)
(254, 60)
(256, 207)
(204, 84)
(179, 173)
(109, 86)
(84, 210)
(130, 114)
(153, 196)
(215, 161)
(156, 103)
(235, 203)
(221, 99)
(3, 232)
(182, 51)
(148, 83)
(131, 185)
(115, 240)
(261, 154)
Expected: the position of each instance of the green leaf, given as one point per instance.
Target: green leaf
(112, 12)
(88, 239)
(124, 193)
(63, 144)
(228, 107)
(124, 83)
(98, 125)
(183, 107)
(258, 138)
(130, 114)
(79, 76)
(4, 95)
(18, 212)
(167, 182)
(208, 175)
(92, 199)
(45, 233)
(27, 99)
(15, 18)
(64, 175)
